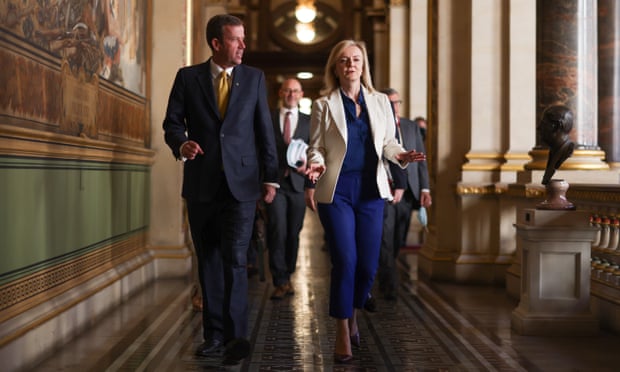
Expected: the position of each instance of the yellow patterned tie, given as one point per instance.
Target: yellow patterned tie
(222, 93)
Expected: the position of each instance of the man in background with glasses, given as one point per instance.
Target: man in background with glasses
(285, 215)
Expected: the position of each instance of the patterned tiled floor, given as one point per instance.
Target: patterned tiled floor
(432, 327)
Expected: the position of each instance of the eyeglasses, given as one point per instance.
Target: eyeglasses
(288, 91)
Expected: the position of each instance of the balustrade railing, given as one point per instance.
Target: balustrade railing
(603, 202)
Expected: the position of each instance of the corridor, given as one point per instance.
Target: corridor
(432, 327)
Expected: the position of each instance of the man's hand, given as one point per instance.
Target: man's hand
(269, 192)
(301, 167)
(310, 202)
(190, 149)
(398, 195)
(425, 199)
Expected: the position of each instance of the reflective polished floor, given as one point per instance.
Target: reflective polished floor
(431, 327)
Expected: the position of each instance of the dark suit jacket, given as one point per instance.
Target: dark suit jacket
(301, 132)
(239, 148)
(416, 173)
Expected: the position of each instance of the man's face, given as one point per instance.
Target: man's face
(229, 51)
(396, 102)
(291, 93)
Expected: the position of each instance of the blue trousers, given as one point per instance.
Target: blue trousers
(353, 225)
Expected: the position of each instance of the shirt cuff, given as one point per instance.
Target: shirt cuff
(181, 157)
(276, 185)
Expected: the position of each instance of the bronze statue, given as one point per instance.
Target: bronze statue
(554, 127)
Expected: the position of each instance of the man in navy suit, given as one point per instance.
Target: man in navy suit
(410, 188)
(286, 213)
(227, 143)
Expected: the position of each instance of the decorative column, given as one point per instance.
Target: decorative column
(609, 79)
(167, 238)
(417, 45)
(522, 82)
(566, 71)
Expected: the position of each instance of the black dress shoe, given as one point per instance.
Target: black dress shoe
(391, 296)
(279, 292)
(210, 348)
(371, 304)
(236, 350)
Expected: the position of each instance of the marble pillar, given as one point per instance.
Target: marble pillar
(609, 79)
(566, 73)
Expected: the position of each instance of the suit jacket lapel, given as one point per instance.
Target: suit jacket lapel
(372, 105)
(236, 85)
(275, 119)
(336, 108)
(408, 132)
(205, 80)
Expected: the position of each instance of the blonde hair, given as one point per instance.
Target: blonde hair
(330, 77)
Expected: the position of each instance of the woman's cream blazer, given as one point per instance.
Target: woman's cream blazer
(328, 140)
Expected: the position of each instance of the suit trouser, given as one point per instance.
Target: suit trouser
(390, 243)
(353, 223)
(286, 218)
(403, 218)
(221, 231)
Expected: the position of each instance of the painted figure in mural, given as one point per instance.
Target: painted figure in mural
(112, 42)
(554, 127)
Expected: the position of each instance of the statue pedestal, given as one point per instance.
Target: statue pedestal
(604, 177)
(555, 273)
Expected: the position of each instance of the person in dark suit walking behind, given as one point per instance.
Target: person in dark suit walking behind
(411, 191)
(285, 216)
(218, 122)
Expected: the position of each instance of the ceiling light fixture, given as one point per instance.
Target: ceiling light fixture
(305, 32)
(305, 12)
(305, 75)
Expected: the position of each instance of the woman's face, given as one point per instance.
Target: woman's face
(350, 64)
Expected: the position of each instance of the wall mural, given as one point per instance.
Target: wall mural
(99, 37)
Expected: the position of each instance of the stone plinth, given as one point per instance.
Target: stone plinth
(555, 273)
(604, 177)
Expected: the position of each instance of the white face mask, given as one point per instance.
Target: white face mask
(422, 217)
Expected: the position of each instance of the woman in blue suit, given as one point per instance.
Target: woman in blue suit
(351, 130)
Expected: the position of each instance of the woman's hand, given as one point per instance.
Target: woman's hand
(314, 171)
(410, 156)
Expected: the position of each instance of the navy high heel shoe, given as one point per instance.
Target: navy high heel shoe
(342, 358)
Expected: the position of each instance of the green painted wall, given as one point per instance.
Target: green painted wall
(56, 209)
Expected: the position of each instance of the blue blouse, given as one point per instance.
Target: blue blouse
(360, 156)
